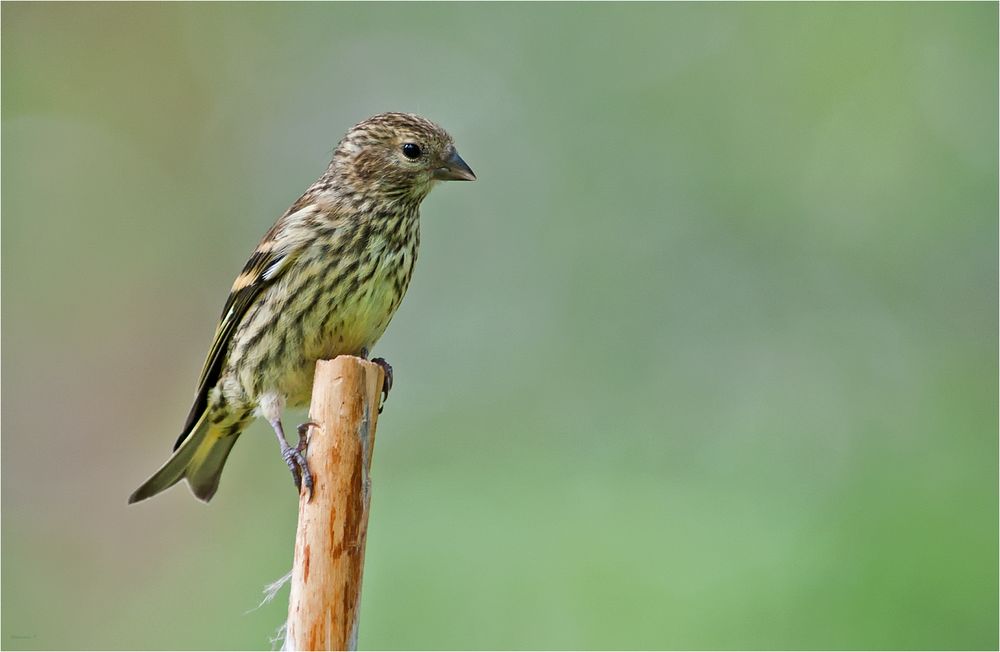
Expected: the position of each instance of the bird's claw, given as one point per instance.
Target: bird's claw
(296, 462)
(387, 383)
(303, 430)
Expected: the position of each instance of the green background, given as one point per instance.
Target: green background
(707, 358)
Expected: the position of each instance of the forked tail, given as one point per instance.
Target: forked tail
(199, 459)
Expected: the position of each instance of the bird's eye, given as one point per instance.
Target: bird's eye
(411, 151)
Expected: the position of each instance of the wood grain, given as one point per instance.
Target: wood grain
(333, 524)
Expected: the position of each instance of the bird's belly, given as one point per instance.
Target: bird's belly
(347, 324)
(353, 326)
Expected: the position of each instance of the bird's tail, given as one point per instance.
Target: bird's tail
(199, 459)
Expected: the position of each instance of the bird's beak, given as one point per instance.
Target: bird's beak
(454, 168)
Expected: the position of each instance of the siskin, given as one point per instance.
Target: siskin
(324, 281)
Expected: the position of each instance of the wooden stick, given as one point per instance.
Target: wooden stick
(330, 540)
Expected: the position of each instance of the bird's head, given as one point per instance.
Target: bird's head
(399, 155)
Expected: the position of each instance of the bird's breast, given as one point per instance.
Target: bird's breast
(368, 290)
(337, 300)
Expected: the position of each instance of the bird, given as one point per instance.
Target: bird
(324, 281)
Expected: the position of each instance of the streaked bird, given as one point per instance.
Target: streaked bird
(324, 281)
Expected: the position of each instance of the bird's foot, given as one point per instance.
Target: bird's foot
(387, 383)
(296, 462)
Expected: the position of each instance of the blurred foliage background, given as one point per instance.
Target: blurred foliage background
(707, 358)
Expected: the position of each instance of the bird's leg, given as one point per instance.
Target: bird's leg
(293, 458)
(387, 383)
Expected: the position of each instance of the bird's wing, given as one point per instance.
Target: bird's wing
(269, 261)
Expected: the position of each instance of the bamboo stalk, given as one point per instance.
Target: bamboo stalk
(330, 539)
